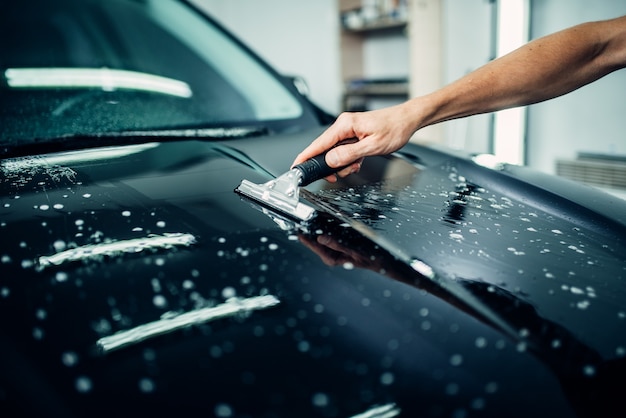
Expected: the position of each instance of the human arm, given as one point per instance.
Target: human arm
(540, 70)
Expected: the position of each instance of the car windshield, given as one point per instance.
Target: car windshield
(86, 67)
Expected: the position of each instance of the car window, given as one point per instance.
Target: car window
(85, 67)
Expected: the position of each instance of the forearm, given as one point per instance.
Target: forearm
(540, 70)
(545, 68)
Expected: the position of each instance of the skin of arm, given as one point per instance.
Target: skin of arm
(540, 70)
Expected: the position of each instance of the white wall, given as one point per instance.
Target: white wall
(467, 45)
(297, 37)
(592, 118)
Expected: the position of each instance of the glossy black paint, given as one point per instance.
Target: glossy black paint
(426, 286)
(346, 336)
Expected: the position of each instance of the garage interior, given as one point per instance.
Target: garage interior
(365, 54)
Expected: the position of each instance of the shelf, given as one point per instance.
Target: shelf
(369, 29)
(377, 88)
(360, 91)
(381, 24)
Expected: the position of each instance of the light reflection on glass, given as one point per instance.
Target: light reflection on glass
(142, 332)
(107, 79)
(165, 241)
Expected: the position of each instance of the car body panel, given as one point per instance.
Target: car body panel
(134, 280)
(341, 339)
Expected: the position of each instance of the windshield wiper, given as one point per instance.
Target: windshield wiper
(204, 133)
(102, 139)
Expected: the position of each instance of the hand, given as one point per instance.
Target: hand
(377, 132)
(333, 253)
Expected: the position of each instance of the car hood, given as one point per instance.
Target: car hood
(134, 280)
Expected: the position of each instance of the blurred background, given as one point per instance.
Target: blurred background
(366, 54)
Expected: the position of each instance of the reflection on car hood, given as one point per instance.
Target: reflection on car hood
(142, 282)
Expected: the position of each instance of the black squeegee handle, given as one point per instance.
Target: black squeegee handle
(316, 168)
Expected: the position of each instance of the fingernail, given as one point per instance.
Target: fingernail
(323, 239)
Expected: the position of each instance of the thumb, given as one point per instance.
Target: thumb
(343, 155)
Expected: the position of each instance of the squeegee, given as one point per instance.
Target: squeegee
(283, 193)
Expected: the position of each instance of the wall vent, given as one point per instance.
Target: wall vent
(595, 169)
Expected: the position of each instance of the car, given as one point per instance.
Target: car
(136, 281)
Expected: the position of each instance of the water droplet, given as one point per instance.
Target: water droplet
(589, 370)
(146, 385)
(304, 346)
(216, 351)
(149, 354)
(41, 314)
(229, 292)
(159, 301)
(59, 245)
(452, 389)
(223, 410)
(83, 384)
(387, 378)
(456, 360)
(481, 342)
(69, 358)
(320, 399)
(478, 403)
(491, 387)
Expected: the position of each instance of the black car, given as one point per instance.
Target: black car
(135, 281)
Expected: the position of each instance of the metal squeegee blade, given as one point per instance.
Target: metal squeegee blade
(268, 195)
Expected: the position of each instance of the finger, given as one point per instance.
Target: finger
(338, 131)
(327, 255)
(319, 146)
(345, 154)
(347, 253)
(351, 169)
